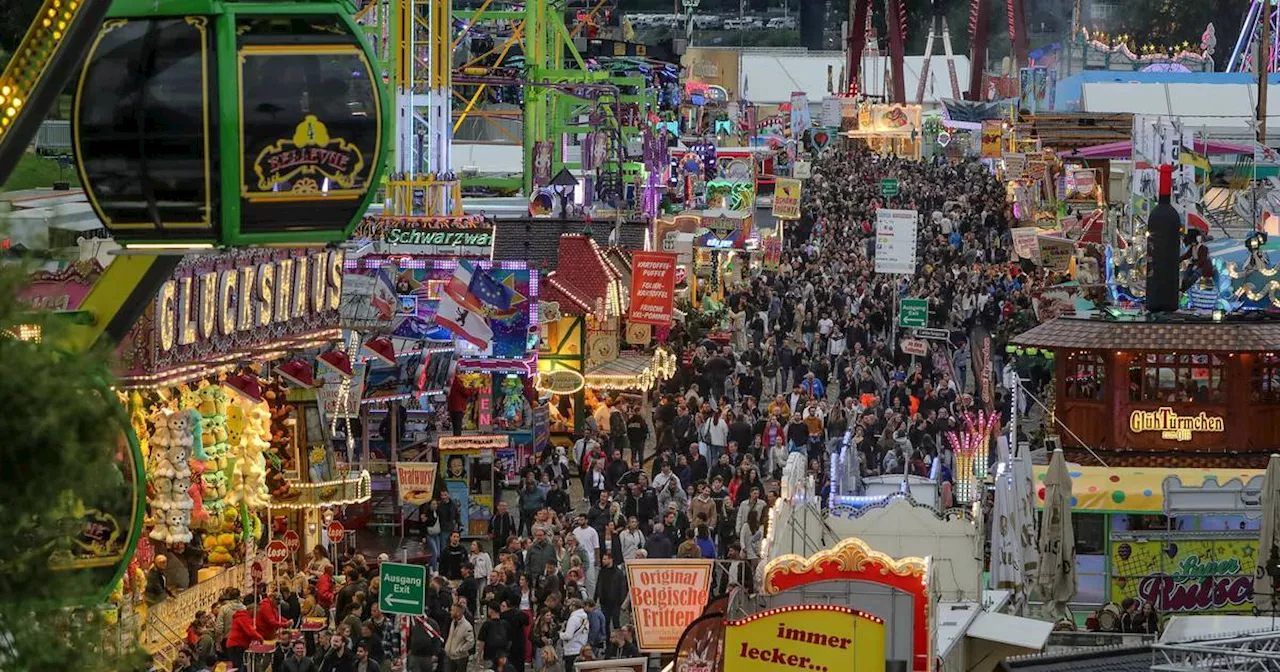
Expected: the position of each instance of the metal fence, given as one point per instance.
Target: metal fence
(54, 137)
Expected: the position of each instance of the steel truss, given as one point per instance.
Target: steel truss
(1246, 653)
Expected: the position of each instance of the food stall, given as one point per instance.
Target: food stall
(1147, 393)
(1185, 540)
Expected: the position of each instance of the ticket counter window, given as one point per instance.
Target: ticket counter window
(1177, 378)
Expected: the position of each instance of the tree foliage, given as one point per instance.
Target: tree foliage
(61, 432)
(1165, 23)
(14, 20)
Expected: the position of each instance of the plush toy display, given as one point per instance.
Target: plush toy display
(173, 438)
(211, 403)
(280, 456)
(249, 478)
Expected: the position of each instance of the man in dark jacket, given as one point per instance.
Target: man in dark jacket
(516, 621)
(540, 553)
(425, 645)
(557, 498)
(611, 589)
(452, 558)
(658, 544)
(448, 515)
(548, 582)
(502, 526)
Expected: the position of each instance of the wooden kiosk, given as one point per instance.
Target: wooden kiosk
(1186, 393)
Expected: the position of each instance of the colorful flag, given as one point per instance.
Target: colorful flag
(1189, 158)
(489, 291)
(385, 298)
(459, 309)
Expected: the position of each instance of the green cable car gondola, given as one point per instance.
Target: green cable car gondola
(201, 123)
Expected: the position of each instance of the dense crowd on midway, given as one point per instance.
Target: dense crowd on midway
(691, 470)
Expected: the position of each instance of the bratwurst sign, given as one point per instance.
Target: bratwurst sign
(811, 638)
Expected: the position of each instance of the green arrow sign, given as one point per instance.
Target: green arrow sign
(889, 187)
(913, 313)
(403, 589)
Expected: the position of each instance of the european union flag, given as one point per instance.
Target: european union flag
(489, 291)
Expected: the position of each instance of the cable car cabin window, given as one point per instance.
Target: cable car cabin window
(142, 129)
(1264, 385)
(1086, 376)
(310, 125)
(1174, 378)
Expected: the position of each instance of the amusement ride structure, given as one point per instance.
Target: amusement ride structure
(1251, 37)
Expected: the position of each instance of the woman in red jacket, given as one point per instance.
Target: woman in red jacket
(269, 620)
(325, 589)
(241, 636)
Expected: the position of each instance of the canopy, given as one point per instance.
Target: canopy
(1124, 149)
(1132, 490)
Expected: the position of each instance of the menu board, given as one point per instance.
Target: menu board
(896, 241)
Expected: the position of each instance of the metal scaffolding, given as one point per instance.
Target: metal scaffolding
(1258, 652)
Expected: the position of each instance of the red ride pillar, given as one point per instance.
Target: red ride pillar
(857, 41)
(1018, 33)
(895, 16)
(978, 51)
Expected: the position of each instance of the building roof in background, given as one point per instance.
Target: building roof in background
(1069, 90)
(1218, 109)
(770, 77)
(537, 240)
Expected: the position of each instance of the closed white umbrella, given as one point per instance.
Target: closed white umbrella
(1057, 568)
(1264, 585)
(1025, 515)
(1006, 544)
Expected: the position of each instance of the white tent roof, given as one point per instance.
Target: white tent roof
(769, 78)
(1222, 111)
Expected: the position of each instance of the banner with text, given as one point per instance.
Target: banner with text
(416, 482)
(809, 637)
(786, 198)
(666, 596)
(896, 241)
(653, 287)
(1025, 244)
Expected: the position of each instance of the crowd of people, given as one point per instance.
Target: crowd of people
(691, 470)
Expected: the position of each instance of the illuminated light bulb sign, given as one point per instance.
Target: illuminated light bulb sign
(972, 446)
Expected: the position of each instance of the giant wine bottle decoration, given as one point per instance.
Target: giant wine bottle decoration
(1163, 249)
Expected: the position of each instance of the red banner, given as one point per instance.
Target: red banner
(653, 287)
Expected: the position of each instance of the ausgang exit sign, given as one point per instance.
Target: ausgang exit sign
(404, 589)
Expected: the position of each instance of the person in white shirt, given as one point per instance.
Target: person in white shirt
(715, 433)
(660, 480)
(824, 326)
(589, 540)
(575, 632)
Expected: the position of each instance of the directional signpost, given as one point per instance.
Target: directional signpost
(932, 334)
(889, 187)
(913, 313)
(404, 589)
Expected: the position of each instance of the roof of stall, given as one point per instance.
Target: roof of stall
(1065, 332)
(1137, 490)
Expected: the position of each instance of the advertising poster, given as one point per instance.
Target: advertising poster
(824, 637)
(1015, 166)
(772, 253)
(333, 400)
(541, 429)
(390, 382)
(1025, 245)
(1033, 90)
(1186, 575)
(830, 115)
(786, 198)
(896, 241)
(653, 286)
(1055, 254)
(991, 139)
(416, 482)
(701, 647)
(800, 118)
(666, 596)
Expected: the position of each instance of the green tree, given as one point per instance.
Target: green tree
(61, 431)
